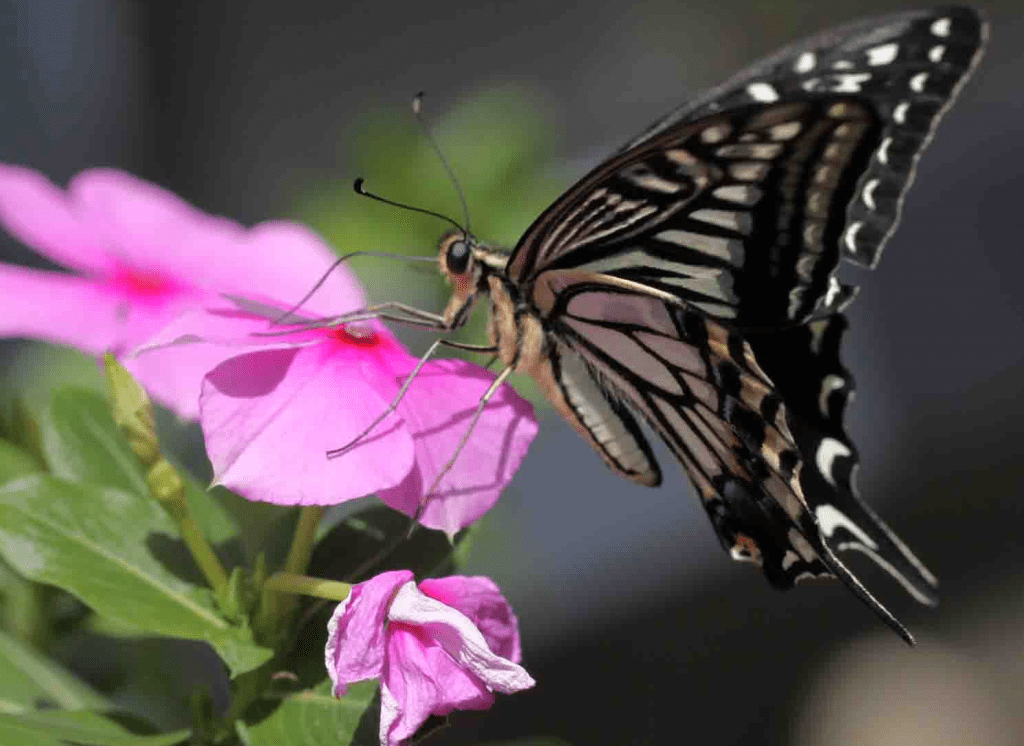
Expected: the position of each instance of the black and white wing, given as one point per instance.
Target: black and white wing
(615, 352)
(743, 202)
(804, 365)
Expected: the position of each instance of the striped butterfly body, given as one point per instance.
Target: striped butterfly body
(688, 282)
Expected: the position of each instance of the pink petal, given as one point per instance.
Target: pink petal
(286, 260)
(438, 408)
(40, 215)
(419, 680)
(160, 233)
(151, 230)
(269, 418)
(355, 632)
(460, 638)
(173, 362)
(481, 601)
(90, 315)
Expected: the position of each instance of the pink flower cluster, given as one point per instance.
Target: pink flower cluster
(154, 275)
(184, 299)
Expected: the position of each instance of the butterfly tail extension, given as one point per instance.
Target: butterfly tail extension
(805, 367)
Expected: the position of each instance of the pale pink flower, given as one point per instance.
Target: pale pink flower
(446, 645)
(140, 256)
(272, 406)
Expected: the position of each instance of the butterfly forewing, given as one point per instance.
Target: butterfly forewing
(743, 202)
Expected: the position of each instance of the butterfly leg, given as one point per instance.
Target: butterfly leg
(406, 314)
(501, 378)
(335, 452)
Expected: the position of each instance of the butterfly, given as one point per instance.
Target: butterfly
(688, 282)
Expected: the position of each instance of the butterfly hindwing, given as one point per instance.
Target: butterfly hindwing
(743, 202)
(698, 386)
(803, 363)
(701, 388)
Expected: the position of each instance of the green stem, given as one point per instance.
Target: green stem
(203, 553)
(277, 607)
(302, 541)
(286, 582)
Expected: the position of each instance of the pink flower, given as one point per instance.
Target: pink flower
(272, 406)
(446, 645)
(140, 257)
(152, 269)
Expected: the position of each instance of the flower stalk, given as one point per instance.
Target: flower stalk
(133, 415)
(284, 582)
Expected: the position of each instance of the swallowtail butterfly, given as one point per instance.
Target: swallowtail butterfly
(688, 282)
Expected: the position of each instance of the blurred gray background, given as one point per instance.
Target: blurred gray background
(636, 625)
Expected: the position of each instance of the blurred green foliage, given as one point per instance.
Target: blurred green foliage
(498, 143)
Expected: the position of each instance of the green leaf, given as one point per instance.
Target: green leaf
(16, 462)
(98, 544)
(82, 444)
(28, 678)
(315, 718)
(86, 728)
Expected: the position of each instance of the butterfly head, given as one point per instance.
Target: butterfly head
(467, 264)
(462, 271)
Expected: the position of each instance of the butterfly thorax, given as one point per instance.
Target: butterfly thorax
(514, 327)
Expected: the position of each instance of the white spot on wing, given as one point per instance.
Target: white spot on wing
(917, 82)
(842, 65)
(830, 518)
(761, 151)
(940, 27)
(868, 194)
(789, 559)
(805, 62)
(764, 92)
(830, 383)
(748, 170)
(899, 114)
(883, 151)
(715, 133)
(936, 52)
(833, 290)
(828, 450)
(786, 131)
(850, 82)
(884, 54)
(850, 236)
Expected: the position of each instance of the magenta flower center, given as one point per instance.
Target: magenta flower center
(358, 337)
(139, 282)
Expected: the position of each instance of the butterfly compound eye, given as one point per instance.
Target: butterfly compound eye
(457, 258)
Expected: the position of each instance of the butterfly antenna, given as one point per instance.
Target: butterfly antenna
(337, 263)
(417, 110)
(358, 187)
